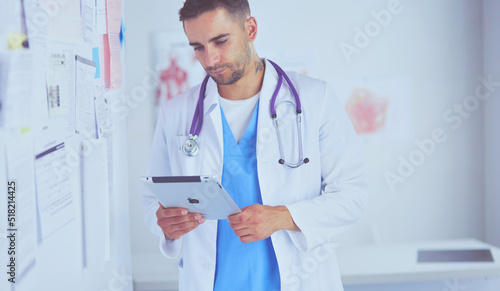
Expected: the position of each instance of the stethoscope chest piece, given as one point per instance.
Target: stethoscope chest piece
(190, 147)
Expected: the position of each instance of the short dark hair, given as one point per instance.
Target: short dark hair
(239, 10)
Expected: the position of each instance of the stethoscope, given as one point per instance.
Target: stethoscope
(191, 147)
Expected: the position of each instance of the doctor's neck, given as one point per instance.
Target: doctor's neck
(249, 84)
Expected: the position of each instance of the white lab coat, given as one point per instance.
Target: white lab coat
(324, 196)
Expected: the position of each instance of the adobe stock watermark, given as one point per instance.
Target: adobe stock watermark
(73, 158)
(427, 146)
(373, 28)
(41, 16)
(453, 286)
(122, 106)
(200, 200)
(309, 265)
(119, 281)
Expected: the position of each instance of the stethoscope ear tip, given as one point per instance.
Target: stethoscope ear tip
(281, 161)
(306, 160)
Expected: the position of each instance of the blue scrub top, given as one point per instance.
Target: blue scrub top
(243, 266)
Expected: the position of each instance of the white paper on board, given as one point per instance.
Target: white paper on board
(108, 129)
(57, 86)
(56, 205)
(95, 196)
(101, 17)
(103, 114)
(85, 113)
(16, 71)
(71, 91)
(65, 21)
(88, 21)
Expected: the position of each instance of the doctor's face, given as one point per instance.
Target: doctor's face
(220, 44)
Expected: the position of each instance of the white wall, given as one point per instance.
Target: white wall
(436, 43)
(491, 120)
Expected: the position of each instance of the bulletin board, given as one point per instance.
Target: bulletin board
(61, 146)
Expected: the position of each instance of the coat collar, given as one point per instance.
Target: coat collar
(266, 92)
(211, 97)
(265, 128)
(268, 86)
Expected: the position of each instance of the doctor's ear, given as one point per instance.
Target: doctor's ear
(251, 28)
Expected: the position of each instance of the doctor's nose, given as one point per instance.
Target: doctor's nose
(212, 57)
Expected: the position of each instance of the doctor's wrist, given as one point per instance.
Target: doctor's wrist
(286, 221)
(167, 237)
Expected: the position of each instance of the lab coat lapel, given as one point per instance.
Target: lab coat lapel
(267, 145)
(267, 142)
(213, 152)
(211, 109)
(211, 97)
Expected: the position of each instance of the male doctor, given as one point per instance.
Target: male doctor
(283, 238)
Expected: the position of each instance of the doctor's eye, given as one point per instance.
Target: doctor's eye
(221, 42)
(198, 48)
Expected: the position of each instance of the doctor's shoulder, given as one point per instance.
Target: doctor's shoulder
(312, 91)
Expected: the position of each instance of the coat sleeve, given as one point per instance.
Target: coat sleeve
(159, 165)
(343, 180)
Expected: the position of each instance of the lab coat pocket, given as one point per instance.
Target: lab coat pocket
(180, 163)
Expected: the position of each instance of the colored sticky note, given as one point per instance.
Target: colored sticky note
(16, 41)
(95, 59)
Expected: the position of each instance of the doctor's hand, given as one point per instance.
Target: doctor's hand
(257, 222)
(176, 222)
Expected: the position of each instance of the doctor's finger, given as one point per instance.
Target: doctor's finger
(238, 218)
(236, 226)
(185, 218)
(249, 238)
(170, 212)
(169, 223)
(183, 226)
(168, 228)
(243, 231)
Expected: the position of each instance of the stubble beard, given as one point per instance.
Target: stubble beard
(239, 68)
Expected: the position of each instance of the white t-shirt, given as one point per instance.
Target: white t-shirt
(238, 114)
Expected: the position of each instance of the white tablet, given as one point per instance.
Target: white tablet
(198, 194)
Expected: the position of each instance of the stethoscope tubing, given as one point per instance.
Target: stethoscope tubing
(197, 123)
(282, 75)
(191, 147)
